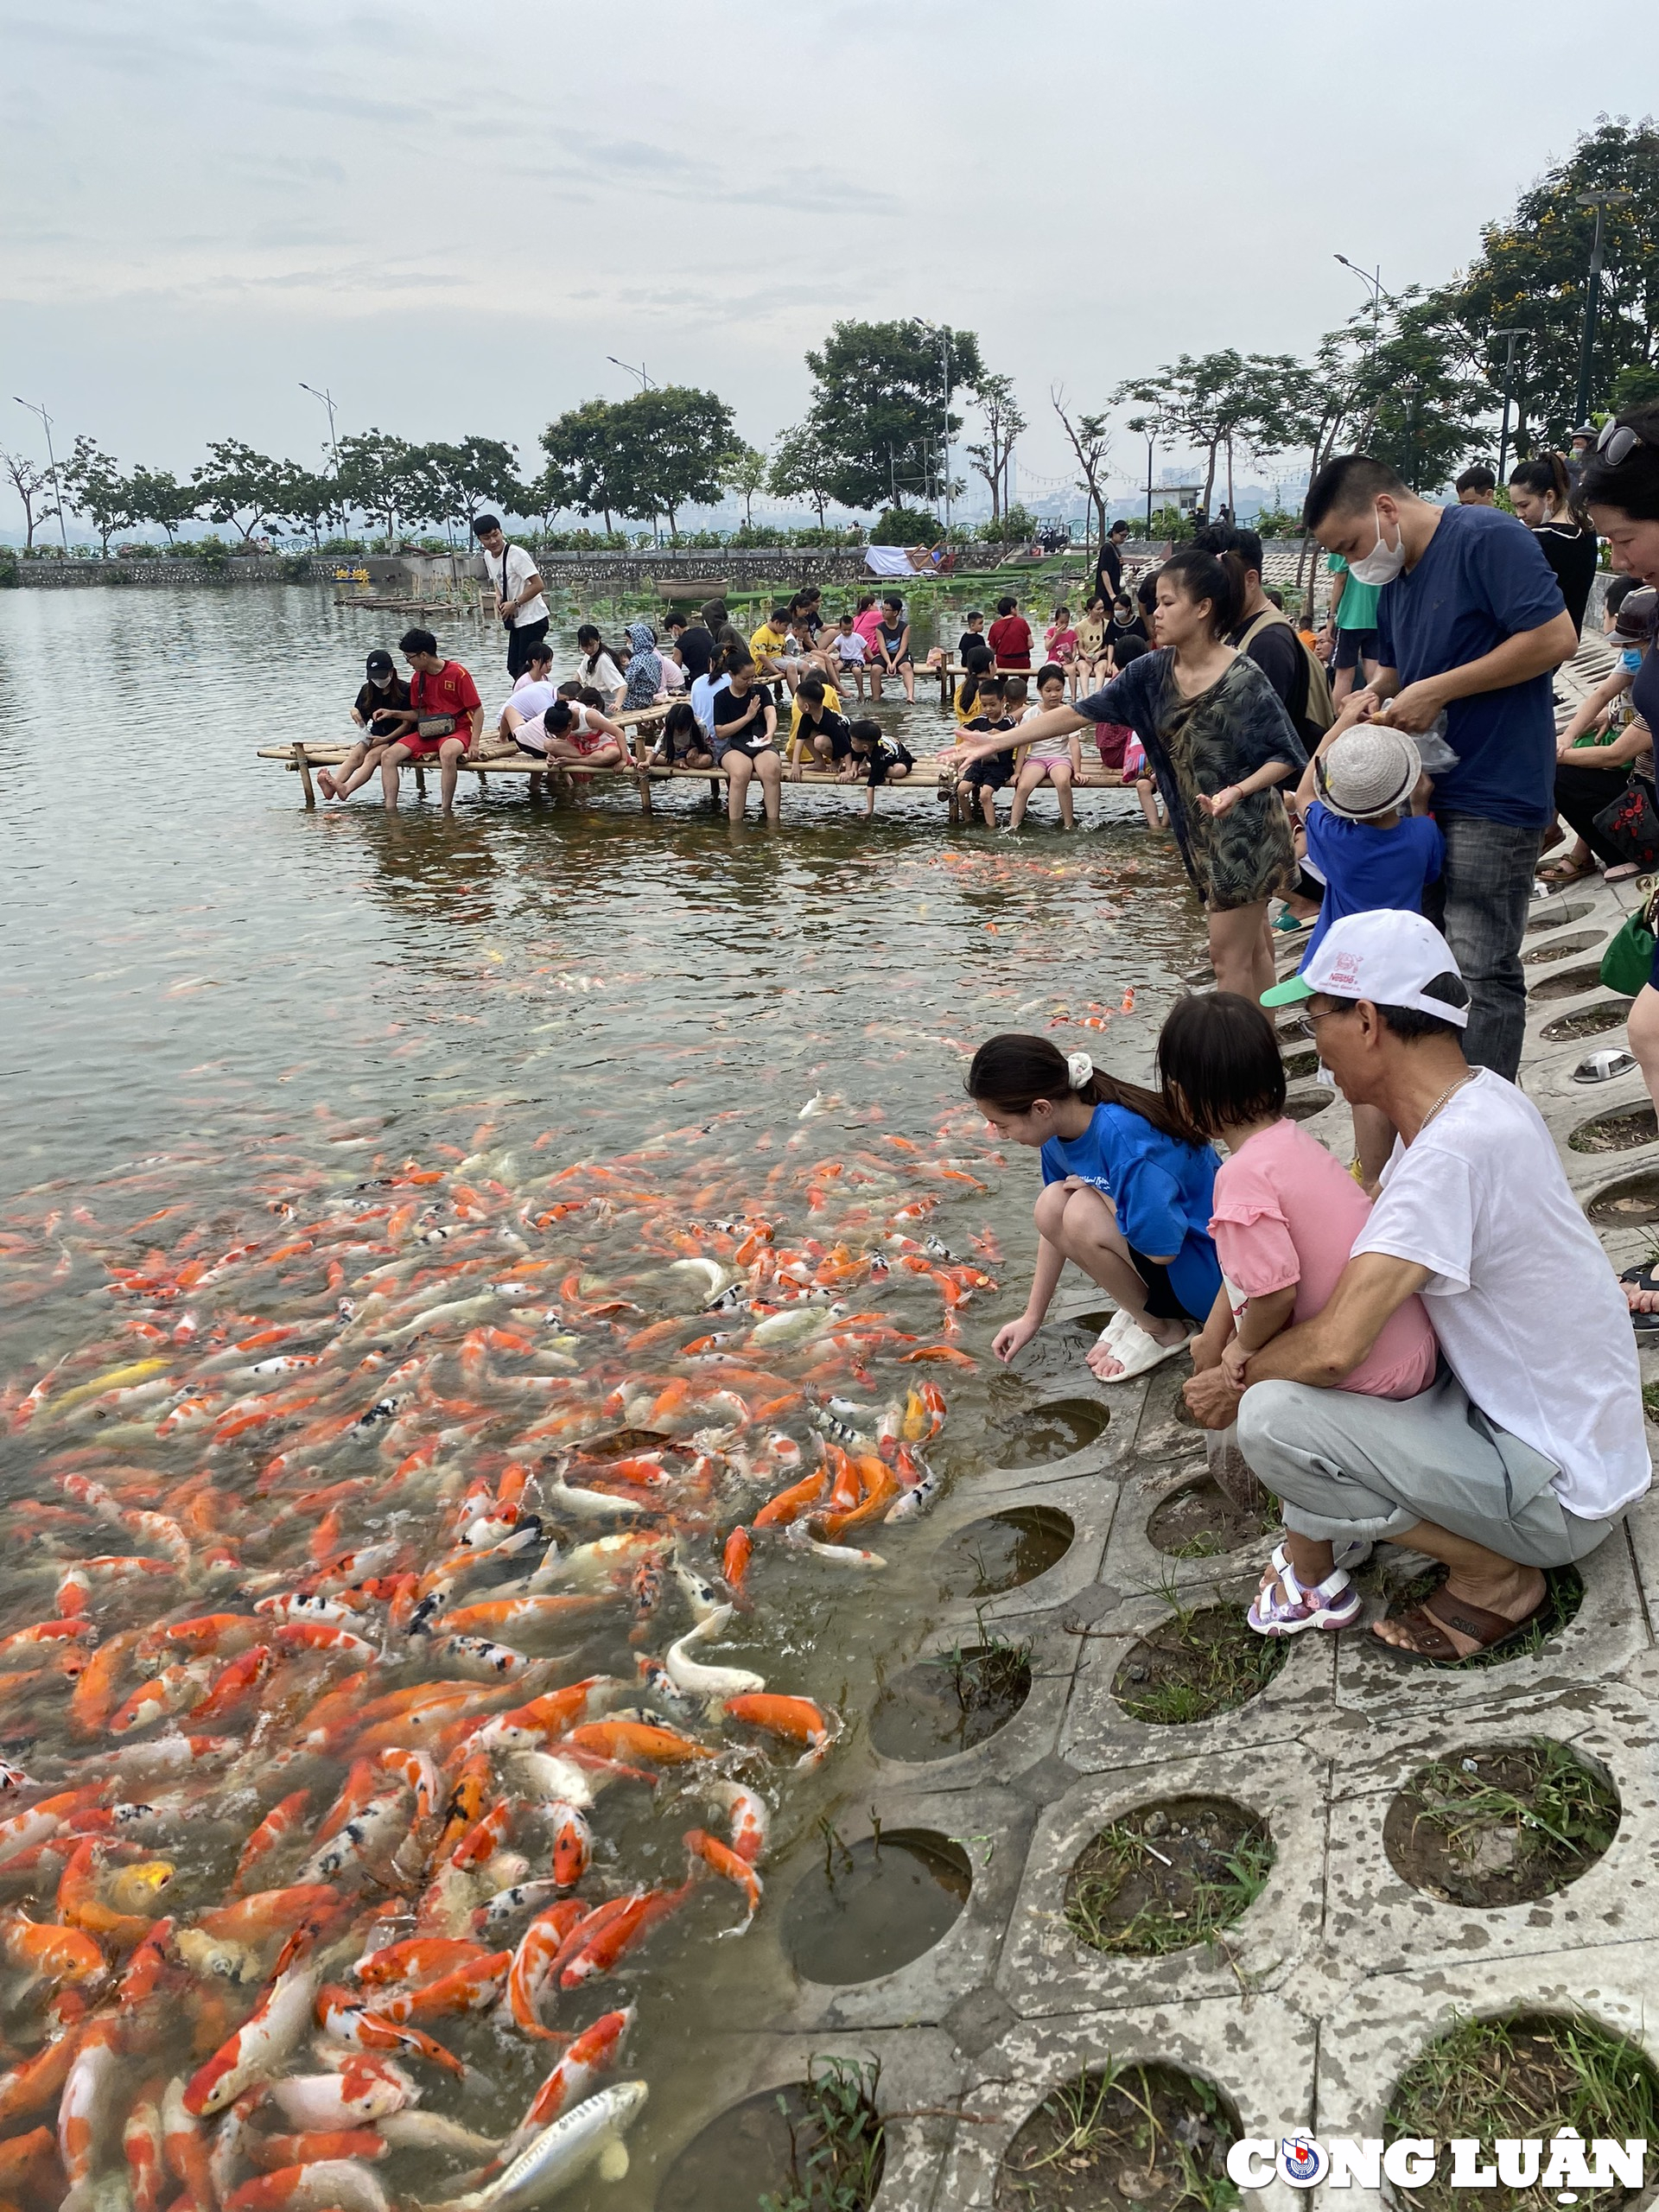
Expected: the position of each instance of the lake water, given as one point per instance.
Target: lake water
(259, 1061)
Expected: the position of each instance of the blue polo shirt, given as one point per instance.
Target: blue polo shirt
(1163, 1191)
(1483, 579)
(1364, 867)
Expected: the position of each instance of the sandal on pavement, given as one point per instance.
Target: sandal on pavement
(1139, 1353)
(1560, 872)
(1285, 1608)
(1431, 1647)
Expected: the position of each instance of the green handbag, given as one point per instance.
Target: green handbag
(1628, 962)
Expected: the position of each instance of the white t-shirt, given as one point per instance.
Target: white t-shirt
(853, 650)
(519, 568)
(605, 675)
(529, 699)
(1528, 1311)
(1047, 748)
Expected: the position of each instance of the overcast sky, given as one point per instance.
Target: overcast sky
(452, 214)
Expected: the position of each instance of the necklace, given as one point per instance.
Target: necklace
(1468, 1075)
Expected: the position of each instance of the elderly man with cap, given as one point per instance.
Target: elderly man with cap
(1526, 1448)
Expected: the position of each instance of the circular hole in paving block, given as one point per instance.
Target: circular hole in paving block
(1003, 1551)
(821, 2135)
(1558, 920)
(1195, 1664)
(1301, 1063)
(1168, 1876)
(1200, 1521)
(1502, 1824)
(870, 1907)
(1523, 2076)
(1561, 1606)
(1303, 1105)
(1589, 1020)
(941, 1707)
(1580, 941)
(1041, 1434)
(1568, 984)
(1147, 2139)
(1629, 1204)
(1620, 1131)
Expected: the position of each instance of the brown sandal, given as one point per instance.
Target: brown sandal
(1434, 1648)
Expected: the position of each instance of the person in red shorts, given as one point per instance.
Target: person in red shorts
(445, 716)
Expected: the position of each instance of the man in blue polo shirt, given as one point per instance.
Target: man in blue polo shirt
(1471, 624)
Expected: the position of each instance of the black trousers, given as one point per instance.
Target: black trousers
(1581, 795)
(520, 639)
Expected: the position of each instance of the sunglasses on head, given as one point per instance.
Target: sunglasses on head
(1616, 443)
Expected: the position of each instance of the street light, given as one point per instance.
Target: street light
(1512, 339)
(45, 424)
(1612, 196)
(328, 399)
(646, 384)
(1375, 285)
(1152, 431)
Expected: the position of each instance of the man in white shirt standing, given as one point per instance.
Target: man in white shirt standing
(517, 589)
(1528, 1446)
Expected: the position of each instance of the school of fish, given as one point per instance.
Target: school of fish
(375, 1546)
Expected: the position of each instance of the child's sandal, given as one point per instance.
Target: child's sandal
(1285, 1608)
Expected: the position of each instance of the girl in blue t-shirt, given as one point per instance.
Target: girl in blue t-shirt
(1127, 1195)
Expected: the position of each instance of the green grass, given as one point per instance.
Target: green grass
(1520, 2076)
(1210, 1661)
(837, 2145)
(987, 1671)
(1565, 1805)
(1119, 1852)
(1108, 2119)
(1651, 1401)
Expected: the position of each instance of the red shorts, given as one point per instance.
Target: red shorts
(420, 748)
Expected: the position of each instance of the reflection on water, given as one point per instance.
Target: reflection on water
(514, 1066)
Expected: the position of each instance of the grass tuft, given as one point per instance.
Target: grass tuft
(837, 2143)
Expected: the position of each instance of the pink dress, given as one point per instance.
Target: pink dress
(1286, 1211)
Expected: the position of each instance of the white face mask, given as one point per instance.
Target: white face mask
(1382, 563)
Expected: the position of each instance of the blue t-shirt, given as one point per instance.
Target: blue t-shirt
(1163, 1191)
(1364, 868)
(1483, 579)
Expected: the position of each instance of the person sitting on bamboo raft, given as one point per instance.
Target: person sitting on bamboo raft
(380, 710)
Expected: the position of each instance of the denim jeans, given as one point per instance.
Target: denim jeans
(1479, 905)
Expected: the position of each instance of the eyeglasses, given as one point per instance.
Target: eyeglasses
(1616, 443)
(1305, 1027)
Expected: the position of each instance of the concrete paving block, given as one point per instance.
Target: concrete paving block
(919, 2086)
(991, 1827)
(1260, 2056)
(1046, 1969)
(1609, 1628)
(1164, 1434)
(1134, 1562)
(1099, 1735)
(1372, 2034)
(1089, 1501)
(1032, 1735)
(1375, 1915)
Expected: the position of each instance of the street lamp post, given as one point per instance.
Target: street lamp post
(1152, 434)
(46, 424)
(646, 384)
(1612, 197)
(1375, 282)
(1512, 339)
(328, 399)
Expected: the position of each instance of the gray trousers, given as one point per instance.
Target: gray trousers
(1346, 1465)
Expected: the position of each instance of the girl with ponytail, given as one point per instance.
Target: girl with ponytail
(1127, 1189)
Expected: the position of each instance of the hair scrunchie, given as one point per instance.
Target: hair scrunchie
(1078, 1068)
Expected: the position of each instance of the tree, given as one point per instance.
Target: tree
(548, 494)
(744, 471)
(156, 495)
(1532, 274)
(880, 405)
(382, 477)
(1003, 423)
(235, 481)
(29, 482)
(1215, 401)
(585, 445)
(309, 500)
(1418, 407)
(802, 468)
(472, 474)
(96, 489)
(672, 439)
(1091, 441)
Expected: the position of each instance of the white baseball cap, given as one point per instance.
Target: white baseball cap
(1385, 956)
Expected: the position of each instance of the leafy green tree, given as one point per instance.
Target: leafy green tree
(473, 474)
(744, 472)
(1634, 387)
(236, 481)
(1003, 422)
(156, 495)
(586, 446)
(382, 477)
(881, 406)
(31, 483)
(905, 526)
(1532, 274)
(1015, 526)
(802, 468)
(673, 441)
(96, 489)
(1215, 402)
(309, 501)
